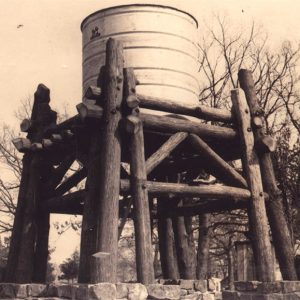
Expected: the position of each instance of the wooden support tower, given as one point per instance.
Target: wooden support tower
(129, 156)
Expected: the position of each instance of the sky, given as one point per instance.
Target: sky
(41, 43)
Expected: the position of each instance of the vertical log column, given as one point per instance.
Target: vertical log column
(91, 203)
(14, 250)
(258, 215)
(20, 264)
(138, 177)
(88, 241)
(105, 267)
(280, 233)
(185, 253)
(166, 241)
(43, 217)
(203, 246)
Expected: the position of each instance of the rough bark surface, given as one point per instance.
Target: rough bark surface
(280, 232)
(258, 214)
(203, 247)
(108, 210)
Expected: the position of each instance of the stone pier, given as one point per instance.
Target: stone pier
(162, 290)
(255, 290)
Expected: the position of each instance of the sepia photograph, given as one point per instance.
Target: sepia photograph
(149, 150)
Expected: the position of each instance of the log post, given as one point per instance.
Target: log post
(26, 242)
(258, 215)
(12, 262)
(91, 202)
(42, 233)
(138, 178)
(280, 233)
(230, 258)
(88, 263)
(49, 181)
(167, 249)
(108, 210)
(46, 117)
(203, 246)
(185, 258)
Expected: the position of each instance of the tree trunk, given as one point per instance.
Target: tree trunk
(138, 178)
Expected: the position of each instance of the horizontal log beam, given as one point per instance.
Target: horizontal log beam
(68, 204)
(67, 124)
(73, 204)
(173, 125)
(197, 110)
(184, 190)
(169, 124)
(211, 206)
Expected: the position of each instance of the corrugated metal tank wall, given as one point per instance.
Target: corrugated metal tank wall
(160, 43)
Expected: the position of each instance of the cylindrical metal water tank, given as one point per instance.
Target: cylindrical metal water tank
(160, 43)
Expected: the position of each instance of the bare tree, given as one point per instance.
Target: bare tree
(224, 52)
(11, 165)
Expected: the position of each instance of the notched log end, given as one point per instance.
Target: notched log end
(42, 94)
(266, 144)
(36, 147)
(132, 101)
(245, 76)
(93, 93)
(26, 125)
(22, 144)
(257, 122)
(56, 138)
(47, 143)
(87, 110)
(132, 124)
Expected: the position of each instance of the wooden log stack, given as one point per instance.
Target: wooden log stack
(126, 155)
